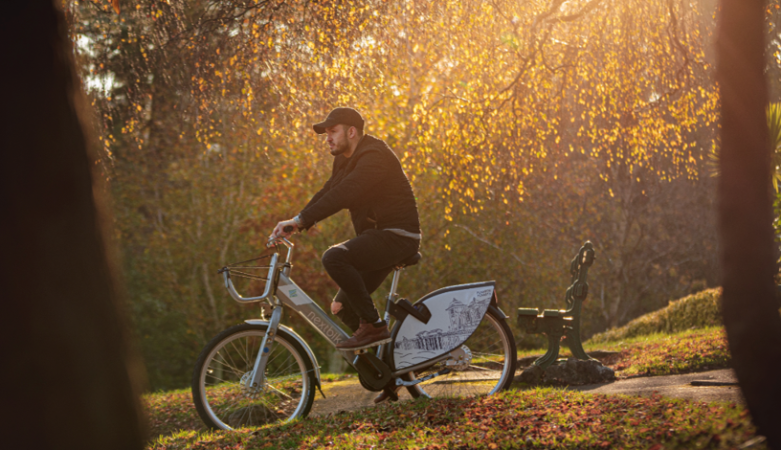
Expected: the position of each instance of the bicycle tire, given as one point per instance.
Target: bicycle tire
(497, 366)
(221, 400)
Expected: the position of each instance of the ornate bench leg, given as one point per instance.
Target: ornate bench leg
(574, 344)
(552, 354)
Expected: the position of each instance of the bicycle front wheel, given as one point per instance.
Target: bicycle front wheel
(491, 369)
(221, 387)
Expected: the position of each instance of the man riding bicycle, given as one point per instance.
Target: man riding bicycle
(367, 178)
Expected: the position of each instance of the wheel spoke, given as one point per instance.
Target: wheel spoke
(225, 403)
(286, 368)
(472, 366)
(279, 392)
(233, 367)
(239, 354)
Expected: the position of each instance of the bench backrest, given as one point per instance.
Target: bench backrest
(578, 291)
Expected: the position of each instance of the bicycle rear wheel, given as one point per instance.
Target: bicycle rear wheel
(492, 368)
(220, 390)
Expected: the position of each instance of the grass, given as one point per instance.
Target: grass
(535, 418)
(700, 310)
(172, 415)
(172, 411)
(538, 418)
(661, 353)
(331, 377)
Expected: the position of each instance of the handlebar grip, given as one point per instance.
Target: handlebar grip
(288, 228)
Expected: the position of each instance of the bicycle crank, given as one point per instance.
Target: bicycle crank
(460, 358)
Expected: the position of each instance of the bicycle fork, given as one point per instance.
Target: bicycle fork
(258, 372)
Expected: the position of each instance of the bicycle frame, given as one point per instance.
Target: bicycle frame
(280, 290)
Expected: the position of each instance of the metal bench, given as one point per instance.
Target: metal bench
(558, 323)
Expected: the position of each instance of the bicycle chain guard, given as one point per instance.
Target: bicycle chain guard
(372, 372)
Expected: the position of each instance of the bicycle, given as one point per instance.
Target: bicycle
(454, 341)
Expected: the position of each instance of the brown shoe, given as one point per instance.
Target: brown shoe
(367, 335)
(384, 395)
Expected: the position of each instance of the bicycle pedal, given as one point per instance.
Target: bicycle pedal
(390, 392)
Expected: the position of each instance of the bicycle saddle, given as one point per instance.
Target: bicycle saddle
(411, 261)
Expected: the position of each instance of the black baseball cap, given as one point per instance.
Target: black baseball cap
(340, 116)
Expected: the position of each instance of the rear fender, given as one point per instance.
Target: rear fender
(495, 304)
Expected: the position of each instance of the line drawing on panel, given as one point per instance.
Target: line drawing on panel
(463, 320)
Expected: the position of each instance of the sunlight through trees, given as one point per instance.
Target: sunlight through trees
(525, 127)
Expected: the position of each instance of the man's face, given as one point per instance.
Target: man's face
(337, 139)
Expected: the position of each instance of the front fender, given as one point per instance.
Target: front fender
(298, 339)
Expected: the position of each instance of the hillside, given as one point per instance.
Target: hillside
(700, 310)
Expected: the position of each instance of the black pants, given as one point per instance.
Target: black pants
(359, 266)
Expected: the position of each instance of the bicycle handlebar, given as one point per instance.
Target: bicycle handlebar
(271, 271)
(236, 296)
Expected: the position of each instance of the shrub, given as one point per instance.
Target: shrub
(698, 310)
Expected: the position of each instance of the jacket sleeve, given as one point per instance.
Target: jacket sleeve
(326, 187)
(368, 173)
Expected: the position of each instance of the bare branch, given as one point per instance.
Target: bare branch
(485, 241)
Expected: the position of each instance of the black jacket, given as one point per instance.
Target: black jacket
(372, 185)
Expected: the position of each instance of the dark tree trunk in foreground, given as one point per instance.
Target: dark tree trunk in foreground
(66, 376)
(750, 310)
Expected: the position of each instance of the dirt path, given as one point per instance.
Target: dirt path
(348, 395)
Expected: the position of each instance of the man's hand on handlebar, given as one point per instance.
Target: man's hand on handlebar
(284, 229)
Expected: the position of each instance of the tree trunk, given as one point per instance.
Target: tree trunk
(68, 378)
(750, 311)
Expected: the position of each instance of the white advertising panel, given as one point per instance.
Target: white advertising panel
(456, 311)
